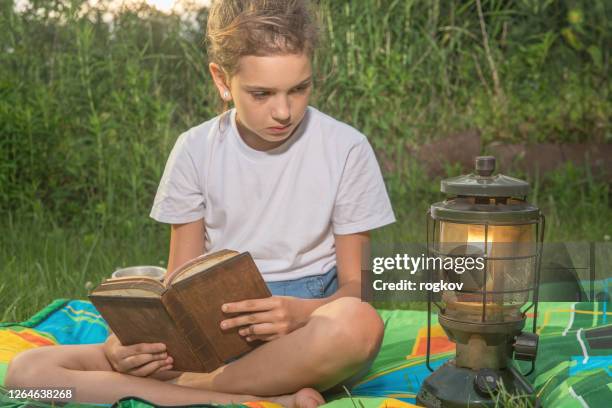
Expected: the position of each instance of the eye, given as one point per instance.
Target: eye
(259, 95)
(300, 89)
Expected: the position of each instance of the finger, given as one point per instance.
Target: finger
(150, 368)
(246, 319)
(263, 337)
(165, 368)
(138, 360)
(259, 329)
(141, 348)
(250, 305)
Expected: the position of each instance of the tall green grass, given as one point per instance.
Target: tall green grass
(42, 260)
(90, 110)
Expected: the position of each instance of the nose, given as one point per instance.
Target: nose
(281, 111)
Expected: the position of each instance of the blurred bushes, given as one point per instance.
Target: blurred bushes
(90, 107)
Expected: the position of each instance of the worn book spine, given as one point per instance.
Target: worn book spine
(198, 342)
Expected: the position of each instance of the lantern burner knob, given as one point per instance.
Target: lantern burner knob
(487, 382)
(485, 165)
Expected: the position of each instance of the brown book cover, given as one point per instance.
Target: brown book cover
(184, 311)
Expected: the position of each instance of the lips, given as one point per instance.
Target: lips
(279, 128)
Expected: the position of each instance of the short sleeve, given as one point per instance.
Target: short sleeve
(179, 197)
(362, 202)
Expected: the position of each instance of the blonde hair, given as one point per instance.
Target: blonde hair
(237, 28)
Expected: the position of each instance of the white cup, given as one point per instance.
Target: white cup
(154, 272)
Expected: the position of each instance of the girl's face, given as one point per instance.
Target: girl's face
(271, 95)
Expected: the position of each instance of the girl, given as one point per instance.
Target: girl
(273, 176)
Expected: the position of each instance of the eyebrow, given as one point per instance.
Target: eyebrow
(261, 88)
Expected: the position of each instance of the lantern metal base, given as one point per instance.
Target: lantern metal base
(456, 387)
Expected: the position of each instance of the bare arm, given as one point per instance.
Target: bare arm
(186, 242)
(350, 249)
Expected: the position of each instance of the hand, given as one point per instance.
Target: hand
(141, 360)
(266, 319)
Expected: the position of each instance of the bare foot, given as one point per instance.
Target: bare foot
(304, 398)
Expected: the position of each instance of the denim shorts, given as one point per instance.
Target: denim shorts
(309, 287)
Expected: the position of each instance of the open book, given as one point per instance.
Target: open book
(184, 311)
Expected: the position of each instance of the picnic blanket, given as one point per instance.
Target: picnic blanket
(573, 367)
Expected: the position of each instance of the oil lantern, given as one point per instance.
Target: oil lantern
(485, 223)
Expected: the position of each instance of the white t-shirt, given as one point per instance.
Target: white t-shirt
(283, 205)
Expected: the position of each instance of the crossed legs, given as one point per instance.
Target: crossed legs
(339, 339)
(86, 368)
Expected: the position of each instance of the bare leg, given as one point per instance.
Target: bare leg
(339, 339)
(86, 368)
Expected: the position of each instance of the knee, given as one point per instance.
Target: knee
(355, 328)
(365, 327)
(20, 370)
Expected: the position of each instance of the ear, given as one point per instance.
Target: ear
(221, 80)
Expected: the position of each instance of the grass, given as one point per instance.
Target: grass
(505, 399)
(42, 261)
(41, 258)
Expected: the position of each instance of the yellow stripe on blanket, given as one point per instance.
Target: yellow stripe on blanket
(395, 403)
(262, 404)
(13, 342)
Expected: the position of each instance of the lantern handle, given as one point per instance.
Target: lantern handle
(536, 291)
(429, 296)
(427, 359)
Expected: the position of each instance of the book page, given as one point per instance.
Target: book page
(199, 264)
(133, 292)
(131, 286)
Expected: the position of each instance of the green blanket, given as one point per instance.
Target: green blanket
(573, 367)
